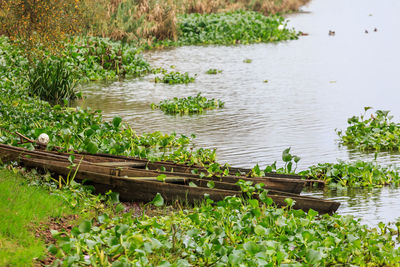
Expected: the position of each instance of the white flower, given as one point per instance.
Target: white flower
(43, 139)
(281, 27)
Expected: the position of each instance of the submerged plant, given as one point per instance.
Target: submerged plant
(188, 105)
(374, 132)
(175, 77)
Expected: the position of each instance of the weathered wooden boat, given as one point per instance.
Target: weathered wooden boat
(126, 166)
(136, 184)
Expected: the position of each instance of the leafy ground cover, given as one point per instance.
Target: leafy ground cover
(83, 59)
(231, 28)
(231, 232)
(250, 232)
(372, 132)
(188, 105)
(175, 77)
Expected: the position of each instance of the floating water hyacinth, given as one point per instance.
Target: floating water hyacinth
(188, 105)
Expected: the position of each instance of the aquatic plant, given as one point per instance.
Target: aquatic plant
(188, 105)
(247, 60)
(255, 233)
(354, 174)
(373, 132)
(175, 77)
(290, 165)
(231, 28)
(213, 71)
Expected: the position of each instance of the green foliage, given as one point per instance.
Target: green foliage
(355, 174)
(213, 71)
(247, 60)
(175, 77)
(101, 58)
(290, 166)
(374, 132)
(52, 80)
(230, 232)
(188, 105)
(231, 28)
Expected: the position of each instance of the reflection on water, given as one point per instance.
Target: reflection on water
(372, 205)
(315, 84)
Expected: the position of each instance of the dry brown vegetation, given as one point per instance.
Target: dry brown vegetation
(144, 21)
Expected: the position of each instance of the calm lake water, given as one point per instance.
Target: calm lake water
(314, 84)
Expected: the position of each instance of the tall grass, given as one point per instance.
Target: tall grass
(144, 21)
(52, 80)
(23, 207)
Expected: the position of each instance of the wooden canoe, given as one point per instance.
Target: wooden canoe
(131, 168)
(142, 185)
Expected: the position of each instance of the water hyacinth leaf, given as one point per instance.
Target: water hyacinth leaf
(290, 202)
(251, 247)
(119, 208)
(113, 197)
(85, 226)
(116, 121)
(52, 249)
(158, 200)
(191, 184)
(161, 177)
(313, 256)
(91, 148)
(286, 156)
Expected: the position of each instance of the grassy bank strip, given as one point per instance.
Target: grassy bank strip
(22, 209)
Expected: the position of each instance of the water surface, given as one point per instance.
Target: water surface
(314, 84)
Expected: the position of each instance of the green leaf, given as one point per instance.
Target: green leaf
(116, 121)
(313, 256)
(211, 184)
(91, 148)
(251, 247)
(161, 177)
(85, 226)
(158, 200)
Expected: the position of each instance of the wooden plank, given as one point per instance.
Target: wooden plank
(121, 164)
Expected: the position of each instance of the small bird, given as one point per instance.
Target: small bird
(331, 33)
(366, 31)
(375, 30)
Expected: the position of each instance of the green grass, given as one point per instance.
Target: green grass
(21, 208)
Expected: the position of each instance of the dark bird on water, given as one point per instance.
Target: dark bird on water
(331, 33)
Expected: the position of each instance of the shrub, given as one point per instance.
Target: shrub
(52, 80)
